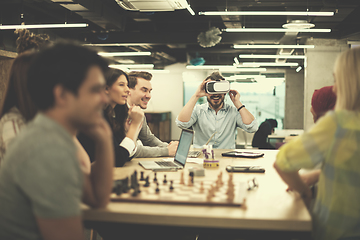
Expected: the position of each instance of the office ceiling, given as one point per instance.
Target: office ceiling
(172, 36)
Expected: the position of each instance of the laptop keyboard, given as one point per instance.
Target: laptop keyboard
(166, 164)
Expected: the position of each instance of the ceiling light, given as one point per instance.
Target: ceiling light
(272, 56)
(236, 61)
(155, 70)
(242, 69)
(34, 26)
(271, 46)
(246, 77)
(275, 79)
(267, 13)
(225, 68)
(190, 10)
(125, 61)
(122, 54)
(131, 66)
(274, 30)
(212, 67)
(298, 69)
(270, 64)
(115, 44)
(298, 24)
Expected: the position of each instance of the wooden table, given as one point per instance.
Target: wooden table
(269, 208)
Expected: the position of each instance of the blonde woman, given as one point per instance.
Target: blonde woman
(333, 142)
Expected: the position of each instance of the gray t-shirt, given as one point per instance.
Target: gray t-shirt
(40, 177)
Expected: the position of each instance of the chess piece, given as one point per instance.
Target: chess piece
(201, 187)
(125, 187)
(165, 181)
(213, 189)
(136, 190)
(210, 194)
(182, 178)
(230, 188)
(230, 180)
(220, 179)
(230, 197)
(191, 179)
(171, 188)
(157, 190)
(117, 189)
(142, 176)
(155, 179)
(243, 205)
(217, 185)
(135, 176)
(208, 197)
(134, 180)
(147, 182)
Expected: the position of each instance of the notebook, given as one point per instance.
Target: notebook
(180, 155)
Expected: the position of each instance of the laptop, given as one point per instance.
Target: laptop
(180, 155)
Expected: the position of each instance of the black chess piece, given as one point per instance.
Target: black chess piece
(147, 182)
(155, 179)
(171, 188)
(125, 187)
(136, 191)
(134, 180)
(165, 181)
(157, 190)
(117, 188)
(192, 177)
(142, 176)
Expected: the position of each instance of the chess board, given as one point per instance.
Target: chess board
(183, 194)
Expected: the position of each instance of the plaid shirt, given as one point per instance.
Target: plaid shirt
(333, 142)
(10, 126)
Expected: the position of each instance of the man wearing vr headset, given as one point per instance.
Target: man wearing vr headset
(215, 117)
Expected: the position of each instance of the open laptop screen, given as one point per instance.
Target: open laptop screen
(184, 146)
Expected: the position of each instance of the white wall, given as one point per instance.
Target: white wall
(319, 70)
(294, 99)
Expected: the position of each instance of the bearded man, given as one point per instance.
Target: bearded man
(215, 117)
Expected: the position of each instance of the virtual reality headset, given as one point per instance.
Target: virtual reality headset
(217, 87)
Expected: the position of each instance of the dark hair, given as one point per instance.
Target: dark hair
(112, 74)
(133, 75)
(28, 40)
(64, 63)
(273, 122)
(16, 94)
(120, 111)
(216, 76)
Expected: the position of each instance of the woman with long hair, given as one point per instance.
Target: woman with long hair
(125, 121)
(333, 142)
(17, 108)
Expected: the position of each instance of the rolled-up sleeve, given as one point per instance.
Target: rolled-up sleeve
(192, 121)
(250, 128)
